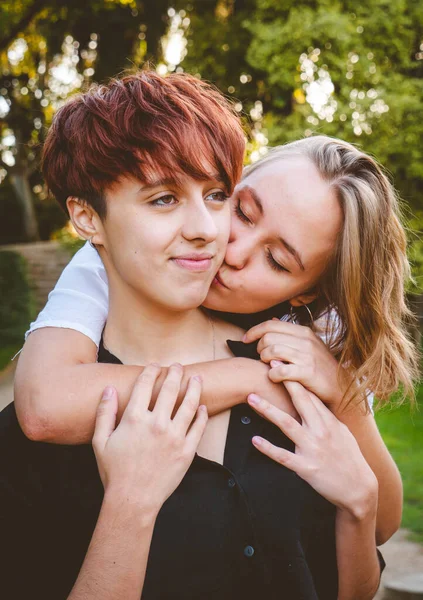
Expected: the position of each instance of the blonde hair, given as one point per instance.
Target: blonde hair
(366, 276)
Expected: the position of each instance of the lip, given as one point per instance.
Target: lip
(197, 263)
(195, 256)
(218, 281)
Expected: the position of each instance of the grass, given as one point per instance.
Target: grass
(402, 429)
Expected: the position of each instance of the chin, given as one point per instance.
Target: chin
(186, 301)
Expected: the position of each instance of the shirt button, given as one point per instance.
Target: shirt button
(245, 420)
(231, 482)
(248, 551)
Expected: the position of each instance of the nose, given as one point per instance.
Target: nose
(199, 223)
(240, 249)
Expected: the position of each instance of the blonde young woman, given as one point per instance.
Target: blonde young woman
(314, 221)
(183, 512)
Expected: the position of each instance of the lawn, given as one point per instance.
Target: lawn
(402, 430)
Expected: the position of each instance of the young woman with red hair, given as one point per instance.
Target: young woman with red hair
(162, 172)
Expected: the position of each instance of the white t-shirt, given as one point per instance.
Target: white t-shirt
(80, 300)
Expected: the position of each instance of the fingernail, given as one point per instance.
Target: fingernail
(155, 365)
(203, 408)
(244, 337)
(275, 363)
(176, 365)
(257, 440)
(108, 393)
(198, 378)
(253, 399)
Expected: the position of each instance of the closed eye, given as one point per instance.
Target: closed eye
(273, 264)
(240, 214)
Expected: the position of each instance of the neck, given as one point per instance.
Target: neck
(140, 333)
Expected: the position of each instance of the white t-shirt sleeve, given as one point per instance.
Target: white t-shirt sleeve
(80, 299)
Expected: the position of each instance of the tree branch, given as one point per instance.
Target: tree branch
(22, 24)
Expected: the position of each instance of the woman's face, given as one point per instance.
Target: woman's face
(165, 242)
(285, 221)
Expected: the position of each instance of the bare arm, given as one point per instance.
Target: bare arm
(328, 457)
(115, 564)
(307, 360)
(140, 465)
(58, 385)
(358, 564)
(374, 450)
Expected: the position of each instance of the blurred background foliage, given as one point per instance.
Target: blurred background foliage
(293, 69)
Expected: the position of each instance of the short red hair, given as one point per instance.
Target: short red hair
(141, 125)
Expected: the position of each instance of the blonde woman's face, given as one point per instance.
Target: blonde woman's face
(285, 222)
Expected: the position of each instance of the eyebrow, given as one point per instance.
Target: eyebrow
(257, 200)
(165, 181)
(292, 251)
(259, 205)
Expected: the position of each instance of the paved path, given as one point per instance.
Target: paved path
(6, 384)
(401, 555)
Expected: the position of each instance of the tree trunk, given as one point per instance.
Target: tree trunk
(22, 188)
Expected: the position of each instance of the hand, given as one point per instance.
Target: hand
(296, 353)
(145, 458)
(327, 455)
(265, 388)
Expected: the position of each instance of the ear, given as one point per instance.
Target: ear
(86, 221)
(302, 299)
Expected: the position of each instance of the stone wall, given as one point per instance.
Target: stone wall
(46, 261)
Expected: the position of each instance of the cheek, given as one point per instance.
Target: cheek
(265, 290)
(235, 227)
(223, 228)
(260, 289)
(135, 248)
(223, 224)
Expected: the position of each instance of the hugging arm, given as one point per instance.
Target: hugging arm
(306, 359)
(58, 385)
(328, 457)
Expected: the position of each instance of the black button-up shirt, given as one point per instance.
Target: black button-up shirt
(249, 528)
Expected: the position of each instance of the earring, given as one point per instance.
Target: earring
(292, 316)
(90, 241)
(310, 315)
